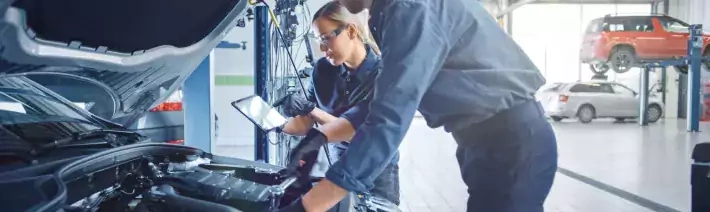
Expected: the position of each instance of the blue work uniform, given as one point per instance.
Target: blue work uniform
(452, 61)
(346, 94)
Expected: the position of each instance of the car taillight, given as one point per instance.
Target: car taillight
(180, 142)
(563, 98)
(167, 106)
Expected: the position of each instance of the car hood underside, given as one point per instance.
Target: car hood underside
(138, 51)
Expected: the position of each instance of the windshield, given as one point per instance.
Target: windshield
(29, 112)
(595, 26)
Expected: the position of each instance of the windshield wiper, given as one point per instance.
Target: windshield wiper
(111, 137)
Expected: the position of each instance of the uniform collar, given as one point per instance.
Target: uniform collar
(367, 65)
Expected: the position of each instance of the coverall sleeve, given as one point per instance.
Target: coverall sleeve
(414, 49)
(357, 114)
(311, 89)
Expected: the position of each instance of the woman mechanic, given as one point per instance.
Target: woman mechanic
(338, 97)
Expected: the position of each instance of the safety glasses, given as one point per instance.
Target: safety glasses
(326, 38)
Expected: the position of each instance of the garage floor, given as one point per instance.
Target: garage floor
(604, 166)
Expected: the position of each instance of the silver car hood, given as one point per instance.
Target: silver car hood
(139, 51)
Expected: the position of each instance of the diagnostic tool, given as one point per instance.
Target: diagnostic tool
(259, 112)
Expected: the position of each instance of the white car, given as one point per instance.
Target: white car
(595, 99)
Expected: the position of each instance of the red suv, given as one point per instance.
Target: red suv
(621, 42)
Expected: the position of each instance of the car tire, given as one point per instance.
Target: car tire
(599, 69)
(556, 118)
(622, 59)
(654, 113)
(620, 119)
(586, 114)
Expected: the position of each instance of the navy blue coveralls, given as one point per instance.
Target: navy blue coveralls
(451, 60)
(346, 94)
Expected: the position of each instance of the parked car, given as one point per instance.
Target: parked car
(56, 155)
(595, 99)
(621, 42)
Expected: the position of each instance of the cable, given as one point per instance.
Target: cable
(295, 69)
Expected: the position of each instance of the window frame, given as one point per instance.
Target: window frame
(665, 19)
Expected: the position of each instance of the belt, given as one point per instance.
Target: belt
(513, 117)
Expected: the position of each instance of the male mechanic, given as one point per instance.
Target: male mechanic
(453, 62)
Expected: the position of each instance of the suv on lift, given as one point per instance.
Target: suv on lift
(622, 42)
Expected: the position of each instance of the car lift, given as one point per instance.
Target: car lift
(694, 61)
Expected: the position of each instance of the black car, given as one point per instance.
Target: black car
(57, 156)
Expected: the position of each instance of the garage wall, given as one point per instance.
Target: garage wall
(552, 38)
(692, 12)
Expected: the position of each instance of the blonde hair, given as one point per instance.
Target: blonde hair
(336, 12)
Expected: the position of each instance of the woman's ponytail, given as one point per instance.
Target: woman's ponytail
(365, 32)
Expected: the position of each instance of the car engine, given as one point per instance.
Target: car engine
(191, 185)
(165, 177)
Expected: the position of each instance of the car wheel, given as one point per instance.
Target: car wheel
(599, 69)
(620, 119)
(556, 118)
(586, 113)
(622, 59)
(654, 113)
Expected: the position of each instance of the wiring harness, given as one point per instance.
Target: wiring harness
(288, 37)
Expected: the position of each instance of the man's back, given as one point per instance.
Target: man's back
(486, 68)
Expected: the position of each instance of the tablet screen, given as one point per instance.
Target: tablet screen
(259, 112)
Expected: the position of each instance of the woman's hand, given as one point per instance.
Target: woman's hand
(295, 105)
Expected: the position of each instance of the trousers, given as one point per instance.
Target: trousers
(508, 162)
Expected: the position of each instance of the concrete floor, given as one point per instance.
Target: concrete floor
(604, 166)
(648, 167)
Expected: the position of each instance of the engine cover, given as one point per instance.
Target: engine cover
(224, 189)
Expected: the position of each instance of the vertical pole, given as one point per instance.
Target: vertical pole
(654, 7)
(262, 66)
(664, 79)
(666, 7)
(581, 31)
(197, 106)
(643, 97)
(695, 45)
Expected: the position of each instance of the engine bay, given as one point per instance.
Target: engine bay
(164, 177)
(157, 184)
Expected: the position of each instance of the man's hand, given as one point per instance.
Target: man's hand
(295, 105)
(311, 143)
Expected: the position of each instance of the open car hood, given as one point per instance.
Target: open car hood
(138, 51)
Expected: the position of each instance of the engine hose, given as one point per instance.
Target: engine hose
(177, 202)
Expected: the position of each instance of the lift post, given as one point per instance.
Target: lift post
(643, 96)
(262, 68)
(664, 81)
(197, 106)
(694, 63)
(695, 45)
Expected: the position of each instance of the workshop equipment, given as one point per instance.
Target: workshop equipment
(700, 178)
